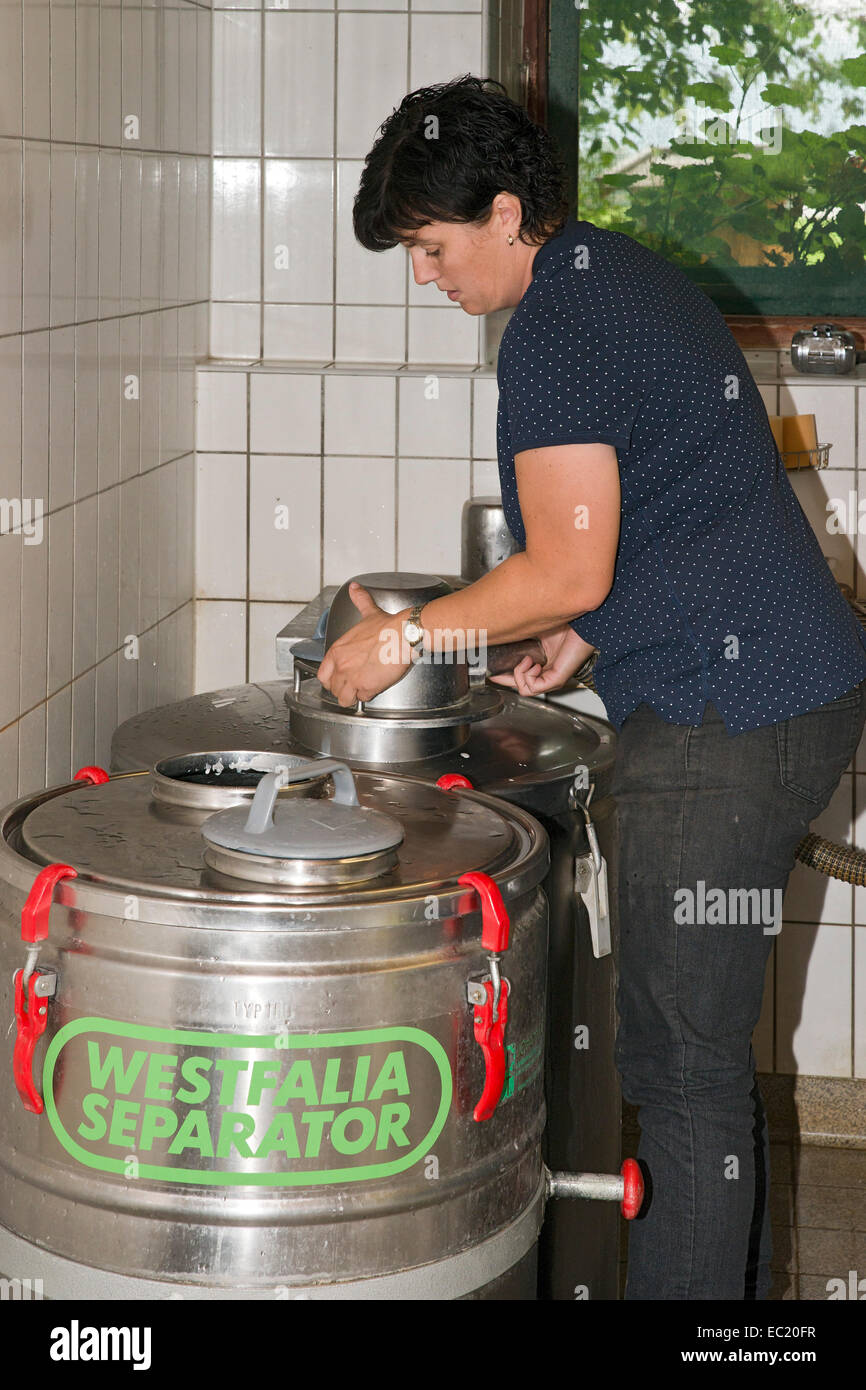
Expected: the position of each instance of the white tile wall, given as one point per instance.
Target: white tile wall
(285, 413)
(298, 237)
(299, 84)
(265, 620)
(31, 750)
(235, 330)
(364, 277)
(434, 416)
(368, 333)
(220, 644)
(220, 536)
(106, 708)
(443, 335)
(84, 515)
(11, 557)
(148, 686)
(99, 244)
(365, 43)
(485, 478)
(284, 524)
(296, 331)
(236, 90)
(859, 996)
(109, 403)
(358, 516)
(8, 764)
(222, 411)
(235, 252)
(360, 414)
(33, 660)
(60, 598)
(432, 493)
(58, 738)
(813, 994)
(295, 114)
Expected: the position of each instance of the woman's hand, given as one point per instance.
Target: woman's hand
(366, 659)
(566, 652)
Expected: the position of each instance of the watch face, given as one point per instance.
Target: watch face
(413, 633)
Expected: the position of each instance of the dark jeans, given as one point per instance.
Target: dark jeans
(696, 803)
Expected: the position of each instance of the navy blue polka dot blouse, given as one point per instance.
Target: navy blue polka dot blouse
(720, 589)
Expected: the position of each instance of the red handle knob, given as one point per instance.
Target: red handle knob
(633, 1189)
(34, 913)
(91, 774)
(453, 779)
(495, 924)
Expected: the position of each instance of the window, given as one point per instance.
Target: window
(727, 135)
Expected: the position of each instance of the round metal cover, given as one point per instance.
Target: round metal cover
(336, 841)
(528, 753)
(118, 837)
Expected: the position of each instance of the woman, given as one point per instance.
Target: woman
(658, 525)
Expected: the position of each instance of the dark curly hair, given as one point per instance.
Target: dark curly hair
(482, 143)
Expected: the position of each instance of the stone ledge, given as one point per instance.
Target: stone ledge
(323, 368)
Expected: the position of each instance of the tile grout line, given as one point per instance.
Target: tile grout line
(116, 651)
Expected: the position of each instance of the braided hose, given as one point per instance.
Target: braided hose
(837, 861)
(824, 856)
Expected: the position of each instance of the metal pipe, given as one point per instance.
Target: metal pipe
(604, 1187)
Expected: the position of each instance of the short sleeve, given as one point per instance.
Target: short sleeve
(568, 382)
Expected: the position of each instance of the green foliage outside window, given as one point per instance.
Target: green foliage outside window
(744, 122)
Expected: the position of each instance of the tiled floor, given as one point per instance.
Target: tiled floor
(818, 1211)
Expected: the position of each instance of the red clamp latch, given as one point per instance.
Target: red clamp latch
(453, 779)
(30, 1022)
(632, 1188)
(490, 1036)
(91, 774)
(490, 997)
(33, 987)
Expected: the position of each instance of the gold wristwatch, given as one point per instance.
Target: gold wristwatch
(412, 629)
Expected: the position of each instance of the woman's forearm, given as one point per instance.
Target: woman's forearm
(512, 601)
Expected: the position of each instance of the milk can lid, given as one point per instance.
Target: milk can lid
(406, 839)
(346, 841)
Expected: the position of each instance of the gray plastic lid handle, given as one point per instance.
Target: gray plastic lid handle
(261, 816)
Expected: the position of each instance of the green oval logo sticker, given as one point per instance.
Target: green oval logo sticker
(238, 1110)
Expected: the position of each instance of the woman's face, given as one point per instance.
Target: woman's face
(474, 266)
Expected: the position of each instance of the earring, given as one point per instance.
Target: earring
(511, 241)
